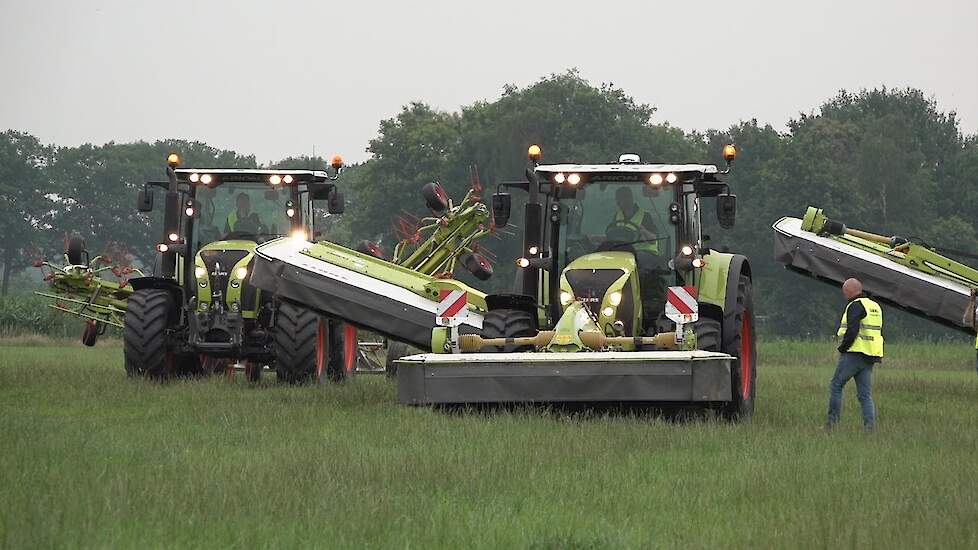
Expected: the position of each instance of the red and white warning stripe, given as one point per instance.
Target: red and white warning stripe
(683, 298)
(451, 303)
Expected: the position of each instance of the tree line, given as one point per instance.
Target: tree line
(887, 160)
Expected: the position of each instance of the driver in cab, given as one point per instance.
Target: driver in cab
(242, 218)
(630, 217)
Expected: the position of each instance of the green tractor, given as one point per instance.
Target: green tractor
(199, 312)
(610, 251)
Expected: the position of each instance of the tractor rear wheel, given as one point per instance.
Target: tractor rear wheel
(508, 323)
(308, 348)
(148, 315)
(738, 341)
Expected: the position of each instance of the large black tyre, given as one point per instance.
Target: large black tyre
(76, 250)
(738, 341)
(708, 333)
(308, 348)
(149, 313)
(508, 323)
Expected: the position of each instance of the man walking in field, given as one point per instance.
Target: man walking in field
(861, 348)
(971, 319)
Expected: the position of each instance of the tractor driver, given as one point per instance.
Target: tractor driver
(242, 218)
(632, 219)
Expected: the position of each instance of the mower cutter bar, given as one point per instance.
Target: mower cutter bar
(653, 377)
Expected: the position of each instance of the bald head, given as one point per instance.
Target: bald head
(852, 288)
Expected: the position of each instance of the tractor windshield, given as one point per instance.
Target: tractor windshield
(242, 211)
(617, 216)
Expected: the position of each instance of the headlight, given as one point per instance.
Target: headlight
(671, 177)
(195, 177)
(574, 179)
(608, 311)
(206, 179)
(275, 179)
(200, 272)
(565, 298)
(241, 272)
(614, 298)
(686, 250)
(655, 179)
(287, 179)
(299, 235)
(560, 177)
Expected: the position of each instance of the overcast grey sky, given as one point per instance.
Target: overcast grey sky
(275, 78)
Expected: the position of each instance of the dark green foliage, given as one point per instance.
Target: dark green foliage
(23, 314)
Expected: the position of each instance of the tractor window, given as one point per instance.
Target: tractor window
(242, 211)
(604, 215)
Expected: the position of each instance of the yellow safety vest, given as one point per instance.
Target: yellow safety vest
(232, 219)
(869, 341)
(635, 223)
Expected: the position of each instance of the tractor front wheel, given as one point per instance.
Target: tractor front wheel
(508, 323)
(308, 348)
(738, 341)
(148, 315)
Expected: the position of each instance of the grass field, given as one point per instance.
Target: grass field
(89, 458)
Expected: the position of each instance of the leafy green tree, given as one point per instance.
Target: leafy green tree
(26, 207)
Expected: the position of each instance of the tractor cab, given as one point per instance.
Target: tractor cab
(613, 237)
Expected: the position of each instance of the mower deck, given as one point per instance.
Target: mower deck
(830, 260)
(667, 377)
(282, 267)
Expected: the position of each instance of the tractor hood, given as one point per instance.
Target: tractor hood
(223, 273)
(603, 282)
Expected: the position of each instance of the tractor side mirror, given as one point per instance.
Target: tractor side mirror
(320, 192)
(336, 204)
(144, 200)
(502, 203)
(726, 210)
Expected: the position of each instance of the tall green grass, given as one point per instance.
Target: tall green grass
(90, 458)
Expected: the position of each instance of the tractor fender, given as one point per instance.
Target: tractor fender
(717, 285)
(739, 265)
(159, 283)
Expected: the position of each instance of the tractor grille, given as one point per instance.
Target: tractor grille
(219, 264)
(590, 285)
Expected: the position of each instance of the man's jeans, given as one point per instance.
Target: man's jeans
(860, 367)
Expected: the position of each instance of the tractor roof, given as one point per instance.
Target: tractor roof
(247, 175)
(629, 168)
